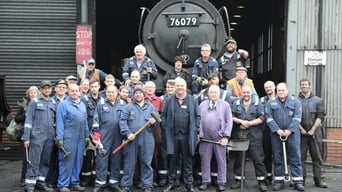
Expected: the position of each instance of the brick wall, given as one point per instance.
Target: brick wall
(334, 150)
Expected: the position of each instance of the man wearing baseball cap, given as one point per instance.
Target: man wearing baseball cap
(38, 137)
(231, 59)
(90, 72)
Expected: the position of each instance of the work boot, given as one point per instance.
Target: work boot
(190, 189)
(64, 189)
(262, 186)
(236, 185)
(125, 189)
(299, 187)
(269, 179)
(278, 186)
(115, 189)
(43, 187)
(221, 187)
(203, 187)
(98, 189)
(77, 188)
(320, 182)
(169, 188)
(162, 182)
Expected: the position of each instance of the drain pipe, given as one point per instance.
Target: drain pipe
(319, 68)
(319, 73)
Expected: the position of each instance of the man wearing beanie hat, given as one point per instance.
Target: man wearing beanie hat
(141, 147)
(231, 59)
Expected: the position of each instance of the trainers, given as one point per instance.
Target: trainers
(77, 188)
(147, 190)
(321, 184)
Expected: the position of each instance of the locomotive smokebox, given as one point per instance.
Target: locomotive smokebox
(181, 27)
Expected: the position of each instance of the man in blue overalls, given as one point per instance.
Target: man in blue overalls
(283, 116)
(38, 137)
(107, 131)
(141, 146)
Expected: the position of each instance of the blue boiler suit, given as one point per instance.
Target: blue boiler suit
(39, 130)
(131, 119)
(72, 129)
(255, 136)
(286, 116)
(132, 65)
(106, 122)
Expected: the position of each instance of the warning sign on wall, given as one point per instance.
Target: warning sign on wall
(315, 58)
(84, 43)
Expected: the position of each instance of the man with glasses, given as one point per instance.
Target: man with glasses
(203, 66)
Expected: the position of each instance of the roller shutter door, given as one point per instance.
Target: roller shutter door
(37, 41)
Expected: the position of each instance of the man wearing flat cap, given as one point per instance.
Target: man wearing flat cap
(70, 79)
(60, 95)
(91, 72)
(178, 71)
(38, 137)
(231, 59)
(234, 85)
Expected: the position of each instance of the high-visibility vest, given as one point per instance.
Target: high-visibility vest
(235, 86)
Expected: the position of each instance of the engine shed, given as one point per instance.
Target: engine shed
(38, 42)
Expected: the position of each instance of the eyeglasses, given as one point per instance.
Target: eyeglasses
(91, 63)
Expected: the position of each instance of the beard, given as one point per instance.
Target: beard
(230, 50)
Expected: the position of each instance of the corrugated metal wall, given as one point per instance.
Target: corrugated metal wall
(37, 41)
(308, 34)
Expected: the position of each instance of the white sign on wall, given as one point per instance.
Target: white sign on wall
(315, 58)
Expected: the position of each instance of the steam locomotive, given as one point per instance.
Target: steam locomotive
(180, 27)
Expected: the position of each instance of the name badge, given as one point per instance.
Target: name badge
(183, 106)
(291, 113)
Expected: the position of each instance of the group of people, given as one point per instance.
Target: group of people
(82, 136)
